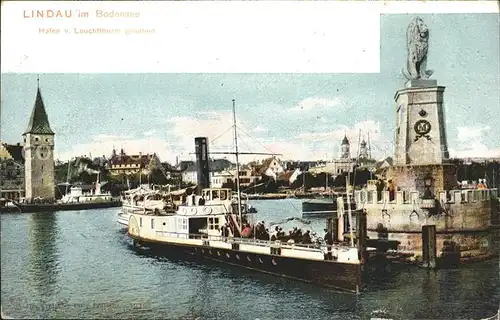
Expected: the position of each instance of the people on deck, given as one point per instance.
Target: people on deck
(306, 237)
(380, 187)
(246, 232)
(274, 235)
(481, 185)
(392, 189)
(328, 237)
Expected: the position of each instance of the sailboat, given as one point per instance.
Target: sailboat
(214, 224)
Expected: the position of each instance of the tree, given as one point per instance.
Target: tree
(305, 179)
(61, 172)
(156, 176)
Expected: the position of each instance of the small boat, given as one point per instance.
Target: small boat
(76, 194)
(319, 207)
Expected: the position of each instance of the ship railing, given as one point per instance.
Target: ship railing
(294, 246)
(256, 242)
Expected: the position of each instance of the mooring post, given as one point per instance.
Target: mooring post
(429, 249)
(361, 234)
(332, 227)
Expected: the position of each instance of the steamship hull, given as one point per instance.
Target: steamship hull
(327, 273)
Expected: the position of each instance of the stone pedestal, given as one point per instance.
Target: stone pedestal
(420, 126)
(412, 177)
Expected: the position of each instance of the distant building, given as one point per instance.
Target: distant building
(189, 174)
(345, 148)
(345, 163)
(363, 150)
(289, 177)
(123, 163)
(381, 167)
(270, 167)
(246, 176)
(11, 171)
(39, 154)
(219, 179)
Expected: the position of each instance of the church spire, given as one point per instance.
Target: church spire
(39, 122)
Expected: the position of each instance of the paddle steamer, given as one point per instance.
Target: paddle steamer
(212, 225)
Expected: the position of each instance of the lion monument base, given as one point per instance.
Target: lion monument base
(421, 83)
(420, 129)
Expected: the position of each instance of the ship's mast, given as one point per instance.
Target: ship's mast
(68, 176)
(351, 233)
(370, 154)
(356, 164)
(237, 162)
(369, 146)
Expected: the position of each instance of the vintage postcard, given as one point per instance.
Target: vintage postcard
(250, 160)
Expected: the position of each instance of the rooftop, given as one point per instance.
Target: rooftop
(39, 122)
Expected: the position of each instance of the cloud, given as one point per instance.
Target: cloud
(333, 138)
(325, 145)
(310, 104)
(259, 128)
(471, 142)
(149, 133)
(471, 134)
(477, 150)
(217, 127)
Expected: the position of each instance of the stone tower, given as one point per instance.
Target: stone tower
(421, 149)
(363, 150)
(420, 126)
(39, 153)
(345, 152)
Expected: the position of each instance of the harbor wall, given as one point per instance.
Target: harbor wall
(464, 219)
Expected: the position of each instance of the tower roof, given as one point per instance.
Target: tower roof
(363, 143)
(345, 141)
(39, 122)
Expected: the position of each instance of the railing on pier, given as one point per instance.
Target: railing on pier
(413, 197)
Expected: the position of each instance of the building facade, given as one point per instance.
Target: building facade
(11, 171)
(125, 164)
(219, 179)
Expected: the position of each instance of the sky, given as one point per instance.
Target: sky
(300, 116)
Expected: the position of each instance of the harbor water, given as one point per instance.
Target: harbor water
(79, 264)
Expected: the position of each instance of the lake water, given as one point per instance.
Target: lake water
(78, 264)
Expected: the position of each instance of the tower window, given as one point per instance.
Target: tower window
(36, 139)
(41, 154)
(47, 140)
(42, 166)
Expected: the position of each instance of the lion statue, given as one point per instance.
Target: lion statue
(417, 42)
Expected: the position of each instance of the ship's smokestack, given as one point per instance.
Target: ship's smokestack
(203, 172)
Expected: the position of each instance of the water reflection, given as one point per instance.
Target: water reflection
(43, 253)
